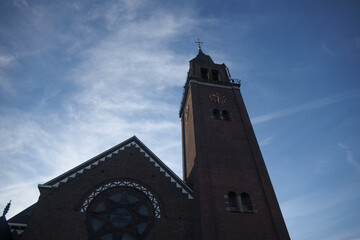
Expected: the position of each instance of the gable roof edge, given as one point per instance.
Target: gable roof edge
(86, 163)
(63, 178)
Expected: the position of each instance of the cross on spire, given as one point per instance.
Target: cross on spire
(199, 43)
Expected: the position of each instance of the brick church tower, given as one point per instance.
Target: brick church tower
(222, 162)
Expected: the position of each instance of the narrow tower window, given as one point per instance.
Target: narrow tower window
(216, 114)
(246, 202)
(233, 201)
(204, 73)
(225, 115)
(215, 75)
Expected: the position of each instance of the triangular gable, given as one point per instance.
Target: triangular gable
(93, 162)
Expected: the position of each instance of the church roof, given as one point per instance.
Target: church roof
(22, 217)
(201, 57)
(93, 162)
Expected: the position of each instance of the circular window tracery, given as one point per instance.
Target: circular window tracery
(124, 184)
(120, 214)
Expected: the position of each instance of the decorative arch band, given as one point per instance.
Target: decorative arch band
(129, 184)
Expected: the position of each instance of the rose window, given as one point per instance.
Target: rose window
(120, 214)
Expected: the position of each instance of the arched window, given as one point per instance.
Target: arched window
(215, 75)
(233, 201)
(216, 114)
(225, 115)
(204, 73)
(246, 202)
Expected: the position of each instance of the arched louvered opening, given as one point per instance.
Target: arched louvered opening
(216, 114)
(226, 115)
(246, 202)
(204, 73)
(233, 204)
(215, 75)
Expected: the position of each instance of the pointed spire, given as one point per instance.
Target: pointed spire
(201, 57)
(6, 209)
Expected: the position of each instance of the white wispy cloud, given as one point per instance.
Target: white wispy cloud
(309, 204)
(20, 200)
(5, 85)
(308, 106)
(117, 85)
(347, 235)
(349, 156)
(322, 209)
(6, 61)
(20, 3)
(266, 141)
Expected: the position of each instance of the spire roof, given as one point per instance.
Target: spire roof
(201, 57)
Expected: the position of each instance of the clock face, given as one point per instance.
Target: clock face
(217, 98)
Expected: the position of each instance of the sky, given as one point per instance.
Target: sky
(78, 77)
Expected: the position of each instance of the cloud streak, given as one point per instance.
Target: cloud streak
(266, 141)
(349, 156)
(315, 209)
(308, 106)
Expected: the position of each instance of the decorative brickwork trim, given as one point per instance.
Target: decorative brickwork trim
(162, 168)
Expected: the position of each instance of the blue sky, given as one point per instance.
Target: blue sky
(78, 77)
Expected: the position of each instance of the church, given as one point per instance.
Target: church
(128, 193)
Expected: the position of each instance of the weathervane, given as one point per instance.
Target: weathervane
(199, 43)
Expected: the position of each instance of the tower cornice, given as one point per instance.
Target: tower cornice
(233, 84)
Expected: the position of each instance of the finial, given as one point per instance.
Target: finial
(199, 43)
(6, 209)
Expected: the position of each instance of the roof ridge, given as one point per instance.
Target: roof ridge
(90, 160)
(133, 141)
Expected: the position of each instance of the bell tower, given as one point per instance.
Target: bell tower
(222, 162)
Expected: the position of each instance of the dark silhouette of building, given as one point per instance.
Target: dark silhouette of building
(127, 193)
(5, 233)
